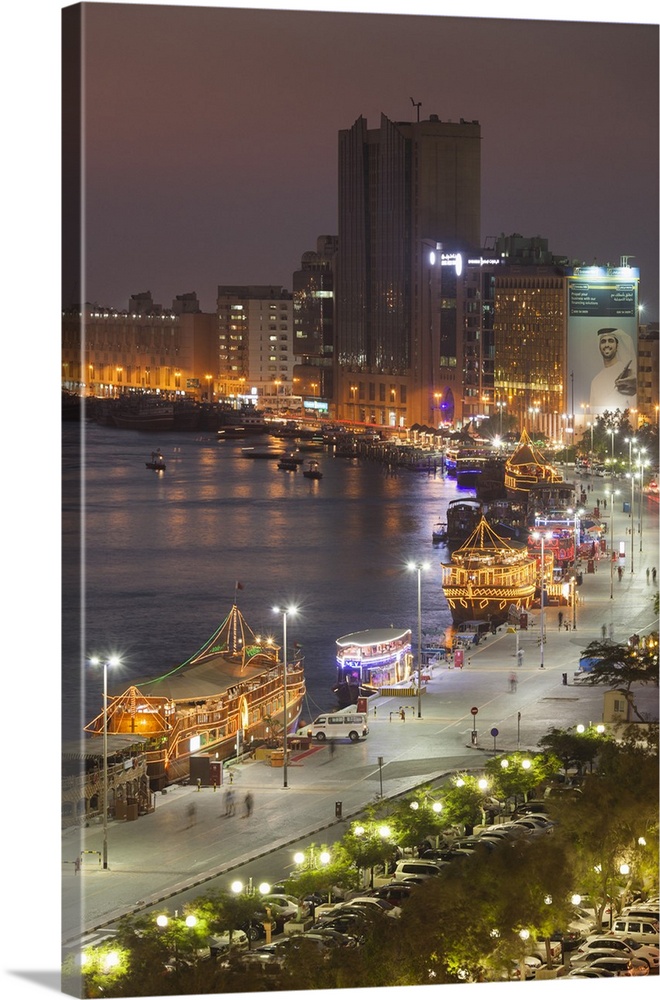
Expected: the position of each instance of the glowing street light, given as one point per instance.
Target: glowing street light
(114, 661)
(543, 536)
(419, 567)
(285, 612)
(611, 494)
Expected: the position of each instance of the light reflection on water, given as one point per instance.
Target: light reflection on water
(162, 553)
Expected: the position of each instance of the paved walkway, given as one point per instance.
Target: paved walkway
(151, 857)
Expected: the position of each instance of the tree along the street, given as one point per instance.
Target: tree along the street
(574, 749)
(622, 665)
(515, 775)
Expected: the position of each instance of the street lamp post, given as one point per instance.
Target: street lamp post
(640, 462)
(500, 406)
(543, 536)
(419, 567)
(284, 612)
(112, 662)
(611, 494)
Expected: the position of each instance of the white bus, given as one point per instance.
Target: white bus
(341, 726)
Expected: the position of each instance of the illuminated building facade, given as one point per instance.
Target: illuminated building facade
(145, 348)
(313, 326)
(255, 341)
(530, 345)
(647, 373)
(404, 189)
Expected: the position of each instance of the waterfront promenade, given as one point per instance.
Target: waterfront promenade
(158, 854)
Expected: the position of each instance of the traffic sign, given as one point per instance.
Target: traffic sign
(474, 710)
(494, 732)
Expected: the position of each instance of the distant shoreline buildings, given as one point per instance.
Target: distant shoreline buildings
(401, 319)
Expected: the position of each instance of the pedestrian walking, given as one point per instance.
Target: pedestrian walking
(648, 574)
(248, 805)
(560, 620)
(76, 866)
(654, 573)
(513, 680)
(402, 713)
(603, 631)
(230, 805)
(332, 748)
(191, 814)
(619, 573)
(520, 657)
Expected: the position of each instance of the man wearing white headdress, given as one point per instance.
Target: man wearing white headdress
(615, 387)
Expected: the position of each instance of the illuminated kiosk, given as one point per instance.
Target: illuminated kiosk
(373, 658)
(487, 575)
(226, 695)
(527, 469)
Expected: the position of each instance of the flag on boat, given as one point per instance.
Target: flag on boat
(239, 585)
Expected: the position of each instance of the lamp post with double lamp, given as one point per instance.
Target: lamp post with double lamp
(418, 567)
(611, 494)
(114, 661)
(285, 612)
(640, 462)
(500, 404)
(543, 536)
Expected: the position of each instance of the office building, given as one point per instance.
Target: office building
(405, 190)
(144, 348)
(313, 326)
(255, 343)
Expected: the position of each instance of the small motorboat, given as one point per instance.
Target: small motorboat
(439, 534)
(312, 471)
(288, 463)
(156, 462)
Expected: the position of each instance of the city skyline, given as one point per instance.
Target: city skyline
(197, 175)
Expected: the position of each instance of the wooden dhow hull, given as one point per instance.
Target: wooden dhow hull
(487, 575)
(224, 698)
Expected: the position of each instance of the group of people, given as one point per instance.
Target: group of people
(230, 803)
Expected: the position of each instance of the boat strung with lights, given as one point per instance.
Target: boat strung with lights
(229, 694)
(527, 469)
(487, 575)
(370, 660)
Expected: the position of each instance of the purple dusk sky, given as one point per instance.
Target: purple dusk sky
(211, 135)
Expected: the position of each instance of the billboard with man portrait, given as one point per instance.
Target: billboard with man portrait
(602, 340)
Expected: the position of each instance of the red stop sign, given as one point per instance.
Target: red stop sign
(474, 710)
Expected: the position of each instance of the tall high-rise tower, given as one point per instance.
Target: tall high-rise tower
(405, 190)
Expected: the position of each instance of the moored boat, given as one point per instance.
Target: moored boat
(144, 413)
(462, 517)
(157, 462)
(371, 660)
(527, 469)
(231, 691)
(313, 471)
(487, 575)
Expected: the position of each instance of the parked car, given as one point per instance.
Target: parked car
(600, 943)
(333, 937)
(620, 965)
(645, 952)
(588, 972)
(384, 906)
(418, 867)
(644, 930)
(534, 806)
(225, 941)
(534, 826)
(395, 892)
(284, 907)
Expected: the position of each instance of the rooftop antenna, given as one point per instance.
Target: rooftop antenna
(625, 258)
(416, 104)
